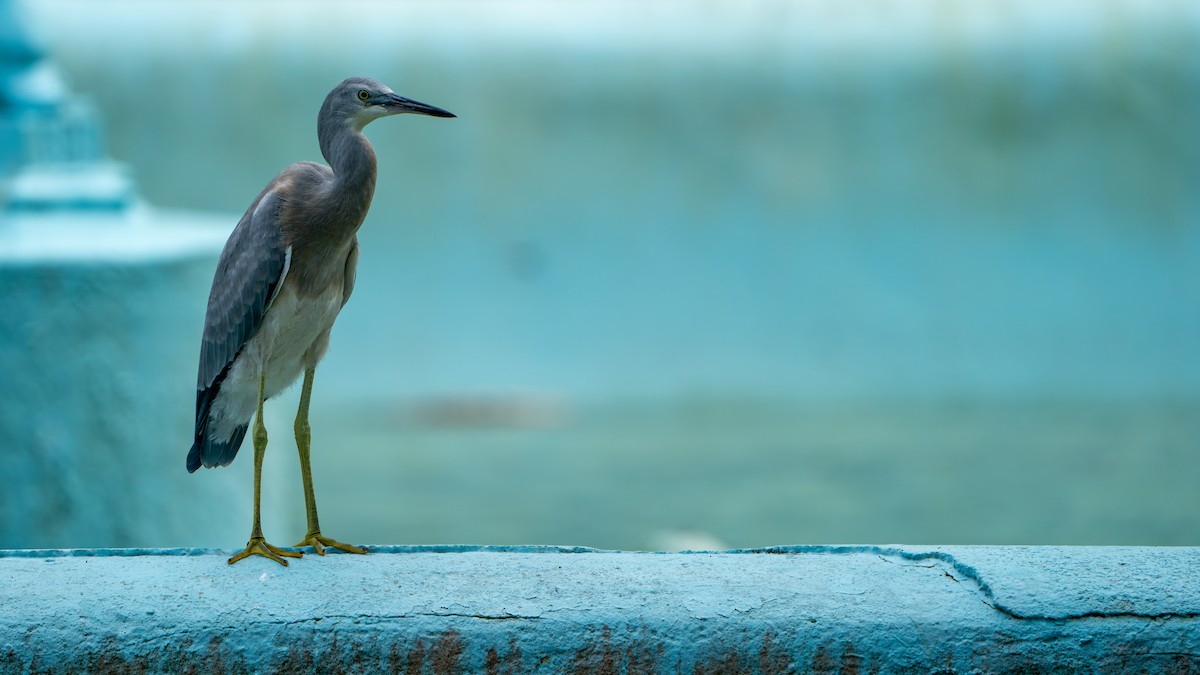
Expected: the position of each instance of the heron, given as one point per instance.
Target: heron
(283, 276)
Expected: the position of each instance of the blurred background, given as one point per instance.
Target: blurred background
(703, 274)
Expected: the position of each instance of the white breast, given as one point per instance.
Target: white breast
(298, 333)
(294, 335)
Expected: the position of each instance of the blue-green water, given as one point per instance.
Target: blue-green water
(773, 273)
(789, 207)
(745, 473)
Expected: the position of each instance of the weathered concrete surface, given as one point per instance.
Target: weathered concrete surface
(847, 609)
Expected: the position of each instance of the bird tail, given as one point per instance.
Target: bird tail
(212, 452)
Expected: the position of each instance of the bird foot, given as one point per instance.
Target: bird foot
(319, 541)
(259, 546)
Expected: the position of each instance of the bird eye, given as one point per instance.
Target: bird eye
(363, 94)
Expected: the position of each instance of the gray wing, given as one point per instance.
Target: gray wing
(251, 267)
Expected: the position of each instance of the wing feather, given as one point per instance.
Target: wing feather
(251, 269)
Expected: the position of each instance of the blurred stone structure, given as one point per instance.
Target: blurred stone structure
(101, 303)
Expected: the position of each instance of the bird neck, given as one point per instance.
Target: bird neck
(353, 162)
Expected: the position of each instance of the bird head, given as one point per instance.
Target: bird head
(361, 100)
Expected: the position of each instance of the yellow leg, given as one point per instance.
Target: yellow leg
(314, 538)
(257, 545)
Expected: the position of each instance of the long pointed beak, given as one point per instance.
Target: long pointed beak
(398, 104)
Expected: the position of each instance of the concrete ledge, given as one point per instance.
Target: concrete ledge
(450, 609)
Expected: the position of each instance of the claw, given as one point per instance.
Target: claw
(319, 541)
(259, 546)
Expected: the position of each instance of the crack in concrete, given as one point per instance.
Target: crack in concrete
(378, 618)
(966, 571)
(485, 617)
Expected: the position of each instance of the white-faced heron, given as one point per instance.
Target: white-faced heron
(285, 273)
